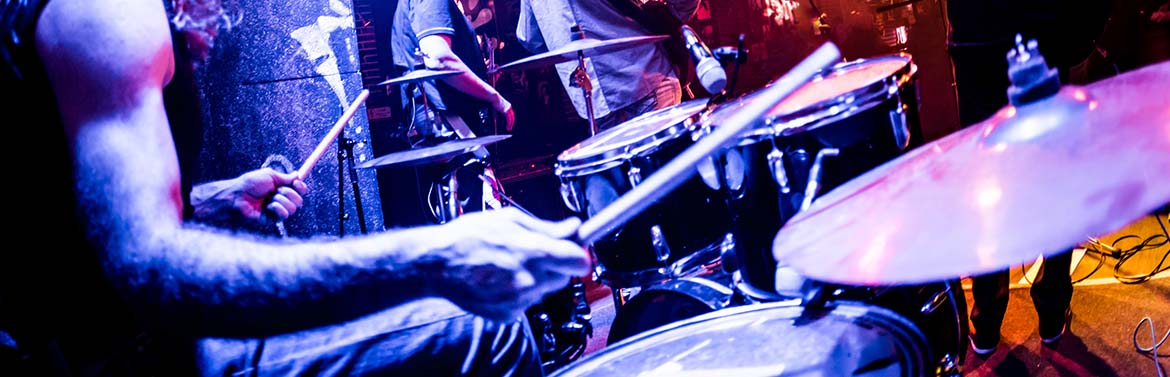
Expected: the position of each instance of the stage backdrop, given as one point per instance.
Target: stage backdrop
(278, 82)
(286, 72)
(777, 35)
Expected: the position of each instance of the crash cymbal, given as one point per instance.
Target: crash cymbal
(1031, 180)
(436, 154)
(588, 46)
(418, 76)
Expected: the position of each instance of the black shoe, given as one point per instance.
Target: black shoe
(1050, 333)
(984, 345)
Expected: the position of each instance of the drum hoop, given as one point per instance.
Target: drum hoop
(844, 308)
(859, 100)
(829, 111)
(594, 161)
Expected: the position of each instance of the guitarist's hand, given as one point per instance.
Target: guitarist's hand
(504, 108)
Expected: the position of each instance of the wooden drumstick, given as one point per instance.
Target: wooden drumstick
(303, 172)
(675, 172)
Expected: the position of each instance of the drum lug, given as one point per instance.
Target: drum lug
(658, 241)
(814, 176)
(634, 175)
(949, 367)
(727, 253)
(569, 195)
(776, 163)
(935, 302)
(901, 129)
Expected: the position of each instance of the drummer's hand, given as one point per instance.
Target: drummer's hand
(247, 197)
(498, 263)
(504, 108)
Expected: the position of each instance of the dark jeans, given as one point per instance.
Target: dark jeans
(668, 93)
(428, 337)
(1051, 294)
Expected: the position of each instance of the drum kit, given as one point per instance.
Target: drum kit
(798, 230)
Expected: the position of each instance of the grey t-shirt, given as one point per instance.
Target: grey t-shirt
(416, 19)
(619, 78)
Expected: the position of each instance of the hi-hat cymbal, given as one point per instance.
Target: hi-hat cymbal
(588, 46)
(1032, 180)
(418, 75)
(435, 154)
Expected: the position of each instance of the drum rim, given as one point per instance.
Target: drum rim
(827, 111)
(864, 97)
(856, 309)
(577, 158)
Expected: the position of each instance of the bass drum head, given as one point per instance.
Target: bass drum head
(667, 303)
(850, 339)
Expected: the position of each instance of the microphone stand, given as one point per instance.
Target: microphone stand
(345, 162)
(740, 58)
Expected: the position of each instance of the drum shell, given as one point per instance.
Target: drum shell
(871, 134)
(667, 302)
(692, 218)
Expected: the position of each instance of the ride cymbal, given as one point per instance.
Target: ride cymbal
(587, 46)
(1031, 180)
(435, 154)
(418, 76)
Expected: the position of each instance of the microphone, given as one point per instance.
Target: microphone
(707, 68)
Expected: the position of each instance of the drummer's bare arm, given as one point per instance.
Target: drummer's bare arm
(528, 31)
(437, 55)
(210, 282)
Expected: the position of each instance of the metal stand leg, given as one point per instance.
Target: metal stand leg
(581, 79)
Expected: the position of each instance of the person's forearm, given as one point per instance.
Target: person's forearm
(213, 201)
(211, 282)
(467, 82)
(216, 284)
(438, 56)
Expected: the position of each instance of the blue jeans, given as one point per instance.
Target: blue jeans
(668, 93)
(426, 337)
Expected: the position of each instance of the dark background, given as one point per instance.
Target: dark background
(777, 35)
(285, 73)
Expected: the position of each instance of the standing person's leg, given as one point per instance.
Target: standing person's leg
(1052, 294)
(981, 80)
(990, 293)
(429, 337)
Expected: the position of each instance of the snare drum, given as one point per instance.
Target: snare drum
(683, 230)
(846, 121)
(925, 336)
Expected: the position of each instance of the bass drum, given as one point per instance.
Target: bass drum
(668, 302)
(934, 314)
(773, 339)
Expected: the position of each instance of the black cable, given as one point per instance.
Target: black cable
(1152, 242)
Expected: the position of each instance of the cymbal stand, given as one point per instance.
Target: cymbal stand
(580, 78)
(446, 181)
(495, 185)
(345, 158)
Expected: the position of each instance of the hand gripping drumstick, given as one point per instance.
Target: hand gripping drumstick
(303, 172)
(671, 175)
(336, 130)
